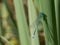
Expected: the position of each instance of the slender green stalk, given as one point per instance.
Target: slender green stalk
(0, 18)
(39, 10)
(0, 22)
(57, 12)
(22, 23)
(37, 4)
(32, 19)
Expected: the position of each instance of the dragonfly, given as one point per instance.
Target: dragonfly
(37, 23)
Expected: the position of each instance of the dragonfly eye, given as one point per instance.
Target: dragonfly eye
(41, 14)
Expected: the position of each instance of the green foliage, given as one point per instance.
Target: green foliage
(50, 21)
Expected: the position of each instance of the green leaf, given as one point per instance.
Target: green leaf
(32, 19)
(21, 23)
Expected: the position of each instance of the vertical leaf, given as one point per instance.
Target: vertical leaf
(22, 23)
(57, 12)
(49, 22)
(0, 23)
(32, 19)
